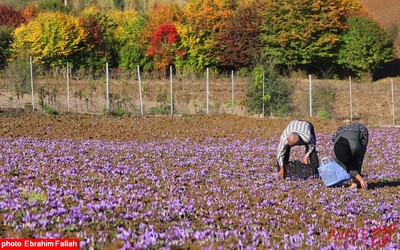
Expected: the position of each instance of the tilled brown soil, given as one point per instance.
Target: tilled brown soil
(105, 127)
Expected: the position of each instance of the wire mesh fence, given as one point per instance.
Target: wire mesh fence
(30, 86)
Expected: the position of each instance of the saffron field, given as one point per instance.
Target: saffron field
(195, 182)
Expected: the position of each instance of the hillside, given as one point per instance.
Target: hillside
(386, 12)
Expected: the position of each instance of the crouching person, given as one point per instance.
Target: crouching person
(350, 144)
(297, 133)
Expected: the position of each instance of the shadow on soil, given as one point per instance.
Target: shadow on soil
(381, 184)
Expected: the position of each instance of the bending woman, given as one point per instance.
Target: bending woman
(350, 145)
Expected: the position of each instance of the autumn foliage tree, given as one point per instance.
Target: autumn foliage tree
(99, 28)
(127, 36)
(51, 38)
(302, 32)
(9, 19)
(156, 18)
(30, 12)
(202, 23)
(199, 34)
(10, 16)
(162, 47)
(240, 42)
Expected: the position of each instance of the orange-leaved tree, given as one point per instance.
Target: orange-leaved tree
(202, 23)
(30, 12)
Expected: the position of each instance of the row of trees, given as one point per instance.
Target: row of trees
(310, 35)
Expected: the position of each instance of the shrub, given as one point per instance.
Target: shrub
(323, 114)
(162, 110)
(277, 92)
(19, 71)
(50, 110)
(118, 112)
(323, 99)
(53, 5)
(28, 106)
(154, 110)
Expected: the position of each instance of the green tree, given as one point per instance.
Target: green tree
(301, 32)
(127, 36)
(51, 38)
(119, 4)
(5, 43)
(53, 5)
(365, 45)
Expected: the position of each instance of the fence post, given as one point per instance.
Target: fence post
(393, 111)
(170, 80)
(310, 90)
(351, 101)
(140, 90)
(107, 95)
(263, 95)
(31, 69)
(233, 93)
(207, 83)
(67, 87)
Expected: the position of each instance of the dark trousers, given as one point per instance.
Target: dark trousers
(314, 161)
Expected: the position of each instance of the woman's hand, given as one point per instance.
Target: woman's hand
(363, 183)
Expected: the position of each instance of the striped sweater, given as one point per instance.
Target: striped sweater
(303, 129)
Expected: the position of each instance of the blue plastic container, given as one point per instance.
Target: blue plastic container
(332, 173)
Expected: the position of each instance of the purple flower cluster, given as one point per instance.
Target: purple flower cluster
(213, 193)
